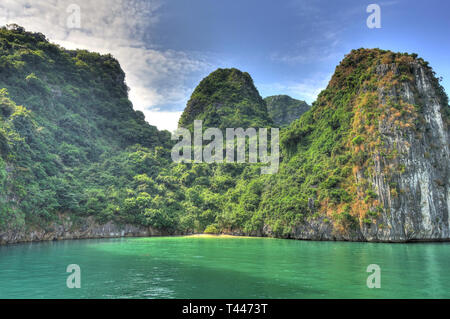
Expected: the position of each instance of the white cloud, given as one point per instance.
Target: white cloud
(165, 120)
(123, 28)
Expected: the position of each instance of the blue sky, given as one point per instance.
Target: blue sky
(289, 47)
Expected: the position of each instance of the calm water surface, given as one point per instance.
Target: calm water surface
(215, 267)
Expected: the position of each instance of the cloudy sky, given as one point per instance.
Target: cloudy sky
(289, 47)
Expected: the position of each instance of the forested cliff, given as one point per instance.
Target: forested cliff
(368, 161)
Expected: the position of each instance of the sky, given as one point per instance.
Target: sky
(289, 47)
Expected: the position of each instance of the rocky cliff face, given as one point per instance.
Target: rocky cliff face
(416, 200)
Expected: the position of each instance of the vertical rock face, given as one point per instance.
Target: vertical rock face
(416, 200)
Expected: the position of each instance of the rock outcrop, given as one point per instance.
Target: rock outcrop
(417, 199)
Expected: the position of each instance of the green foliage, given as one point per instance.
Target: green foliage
(211, 229)
(358, 140)
(65, 145)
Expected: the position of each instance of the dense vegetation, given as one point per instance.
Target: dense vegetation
(66, 130)
(71, 144)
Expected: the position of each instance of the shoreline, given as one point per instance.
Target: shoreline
(224, 235)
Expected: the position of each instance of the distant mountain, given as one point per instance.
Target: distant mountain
(226, 98)
(283, 109)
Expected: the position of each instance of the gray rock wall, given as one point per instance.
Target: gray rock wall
(66, 229)
(420, 210)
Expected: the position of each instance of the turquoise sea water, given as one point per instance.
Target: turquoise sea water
(216, 267)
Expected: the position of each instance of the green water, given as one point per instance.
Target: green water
(197, 267)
